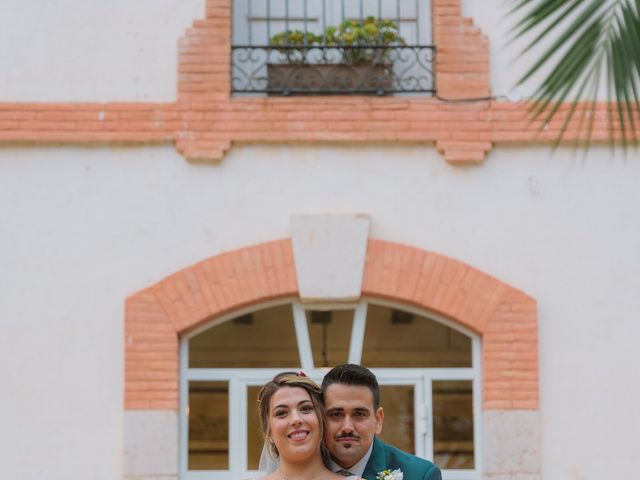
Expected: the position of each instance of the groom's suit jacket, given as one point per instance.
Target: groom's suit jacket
(385, 457)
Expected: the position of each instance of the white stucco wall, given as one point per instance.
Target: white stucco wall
(92, 50)
(82, 228)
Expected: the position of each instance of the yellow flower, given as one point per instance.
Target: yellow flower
(372, 28)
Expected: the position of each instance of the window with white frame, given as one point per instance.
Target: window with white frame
(428, 369)
(289, 47)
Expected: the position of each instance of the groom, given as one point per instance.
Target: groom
(353, 419)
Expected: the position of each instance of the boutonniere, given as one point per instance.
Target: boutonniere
(389, 475)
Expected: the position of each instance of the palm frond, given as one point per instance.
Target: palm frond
(594, 42)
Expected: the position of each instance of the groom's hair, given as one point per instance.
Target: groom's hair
(352, 374)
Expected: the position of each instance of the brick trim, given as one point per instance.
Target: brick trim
(156, 316)
(505, 317)
(205, 120)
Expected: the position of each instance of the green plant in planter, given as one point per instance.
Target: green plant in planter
(292, 43)
(357, 35)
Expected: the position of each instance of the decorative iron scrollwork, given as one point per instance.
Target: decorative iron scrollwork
(321, 70)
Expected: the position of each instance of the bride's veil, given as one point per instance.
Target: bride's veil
(267, 464)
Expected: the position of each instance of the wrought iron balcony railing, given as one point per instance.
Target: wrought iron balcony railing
(322, 69)
(319, 47)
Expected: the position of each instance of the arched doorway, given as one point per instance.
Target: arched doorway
(500, 321)
(428, 369)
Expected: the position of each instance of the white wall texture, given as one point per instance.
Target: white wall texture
(81, 228)
(92, 50)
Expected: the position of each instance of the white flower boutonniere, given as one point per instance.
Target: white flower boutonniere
(390, 475)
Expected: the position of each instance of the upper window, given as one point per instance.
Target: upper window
(305, 47)
(427, 367)
(261, 339)
(401, 339)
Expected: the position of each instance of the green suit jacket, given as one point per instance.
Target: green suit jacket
(385, 457)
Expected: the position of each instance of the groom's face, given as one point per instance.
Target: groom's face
(352, 422)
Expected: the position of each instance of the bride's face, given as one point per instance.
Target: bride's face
(293, 424)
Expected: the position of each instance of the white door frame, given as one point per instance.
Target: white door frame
(238, 380)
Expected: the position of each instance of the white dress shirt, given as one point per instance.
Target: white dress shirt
(358, 468)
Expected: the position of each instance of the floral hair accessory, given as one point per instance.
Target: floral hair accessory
(301, 373)
(390, 475)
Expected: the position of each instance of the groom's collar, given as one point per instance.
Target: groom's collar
(358, 468)
(378, 461)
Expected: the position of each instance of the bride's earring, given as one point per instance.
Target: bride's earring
(273, 449)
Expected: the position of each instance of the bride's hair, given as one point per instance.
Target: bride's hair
(290, 379)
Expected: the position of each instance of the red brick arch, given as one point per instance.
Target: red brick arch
(504, 317)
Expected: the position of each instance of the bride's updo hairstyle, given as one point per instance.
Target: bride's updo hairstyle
(289, 379)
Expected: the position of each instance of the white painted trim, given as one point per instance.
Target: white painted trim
(240, 378)
(357, 333)
(421, 419)
(477, 406)
(183, 418)
(428, 373)
(302, 334)
(428, 402)
(236, 418)
(243, 402)
(220, 374)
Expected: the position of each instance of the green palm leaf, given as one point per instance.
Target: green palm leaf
(594, 56)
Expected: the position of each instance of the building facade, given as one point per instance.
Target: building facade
(171, 241)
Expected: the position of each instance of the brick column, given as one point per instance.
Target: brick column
(204, 83)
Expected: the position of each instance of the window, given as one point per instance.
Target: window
(428, 369)
(302, 47)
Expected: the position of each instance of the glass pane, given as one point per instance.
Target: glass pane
(254, 432)
(453, 424)
(208, 426)
(262, 339)
(399, 424)
(330, 333)
(397, 339)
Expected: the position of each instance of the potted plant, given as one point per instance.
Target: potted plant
(291, 43)
(352, 57)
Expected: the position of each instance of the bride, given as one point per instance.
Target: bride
(292, 420)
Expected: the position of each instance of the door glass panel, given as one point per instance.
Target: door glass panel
(208, 426)
(398, 427)
(453, 424)
(330, 334)
(399, 339)
(262, 339)
(254, 431)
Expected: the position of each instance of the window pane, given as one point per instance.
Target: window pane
(330, 333)
(208, 426)
(398, 339)
(262, 339)
(398, 429)
(254, 432)
(453, 424)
